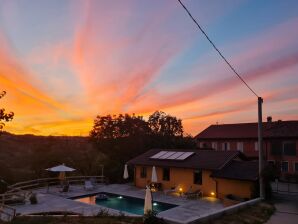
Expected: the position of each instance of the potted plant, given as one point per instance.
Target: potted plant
(33, 198)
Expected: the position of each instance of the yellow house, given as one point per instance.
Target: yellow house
(213, 173)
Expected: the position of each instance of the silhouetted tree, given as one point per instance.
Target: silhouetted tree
(166, 130)
(4, 117)
(165, 125)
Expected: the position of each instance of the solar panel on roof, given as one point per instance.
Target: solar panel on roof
(172, 155)
(167, 155)
(157, 155)
(175, 155)
(185, 156)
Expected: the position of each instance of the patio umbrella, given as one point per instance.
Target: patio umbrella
(125, 174)
(148, 201)
(61, 169)
(154, 175)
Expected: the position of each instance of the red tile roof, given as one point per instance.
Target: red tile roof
(277, 129)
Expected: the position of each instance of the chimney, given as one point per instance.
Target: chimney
(269, 119)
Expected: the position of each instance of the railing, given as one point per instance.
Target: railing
(17, 193)
(45, 182)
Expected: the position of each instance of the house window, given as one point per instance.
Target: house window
(240, 146)
(143, 172)
(256, 146)
(284, 166)
(276, 148)
(201, 144)
(225, 146)
(214, 145)
(166, 174)
(296, 167)
(271, 162)
(289, 148)
(197, 177)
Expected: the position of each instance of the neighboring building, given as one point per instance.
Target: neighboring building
(214, 173)
(280, 141)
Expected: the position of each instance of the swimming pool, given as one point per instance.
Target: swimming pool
(123, 203)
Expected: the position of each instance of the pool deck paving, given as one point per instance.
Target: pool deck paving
(51, 200)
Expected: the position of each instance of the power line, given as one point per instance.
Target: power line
(223, 57)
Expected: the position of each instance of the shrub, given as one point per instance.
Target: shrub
(3, 186)
(103, 213)
(151, 218)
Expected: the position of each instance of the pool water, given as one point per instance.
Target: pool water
(124, 203)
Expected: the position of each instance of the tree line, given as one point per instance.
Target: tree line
(122, 137)
(116, 138)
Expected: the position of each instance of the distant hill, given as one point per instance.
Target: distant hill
(26, 156)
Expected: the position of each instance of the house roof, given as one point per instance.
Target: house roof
(277, 129)
(240, 170)
(200, 159)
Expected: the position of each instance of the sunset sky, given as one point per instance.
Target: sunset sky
(64, 62)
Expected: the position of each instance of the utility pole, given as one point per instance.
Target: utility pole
(260, 145)
(260, 100)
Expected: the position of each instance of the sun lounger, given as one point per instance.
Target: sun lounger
(193, 195)
(172, 190)
(15, 200)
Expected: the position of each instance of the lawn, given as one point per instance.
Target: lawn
(256, 214)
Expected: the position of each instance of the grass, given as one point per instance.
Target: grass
(256, 214)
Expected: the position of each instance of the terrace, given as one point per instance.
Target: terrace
(50, 199)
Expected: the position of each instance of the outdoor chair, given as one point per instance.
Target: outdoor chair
(88, 185)
(155, 186)
(93, 181)
(65, 189)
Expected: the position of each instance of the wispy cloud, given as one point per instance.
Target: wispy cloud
(115, 59)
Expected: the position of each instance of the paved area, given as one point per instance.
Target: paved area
(51, 200)
(286, 210)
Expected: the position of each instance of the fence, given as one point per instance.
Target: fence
(284, 188)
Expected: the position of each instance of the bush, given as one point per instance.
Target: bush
(151, 218)
(3, 186)
(103, 213)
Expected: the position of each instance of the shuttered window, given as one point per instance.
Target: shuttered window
(289, 148)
